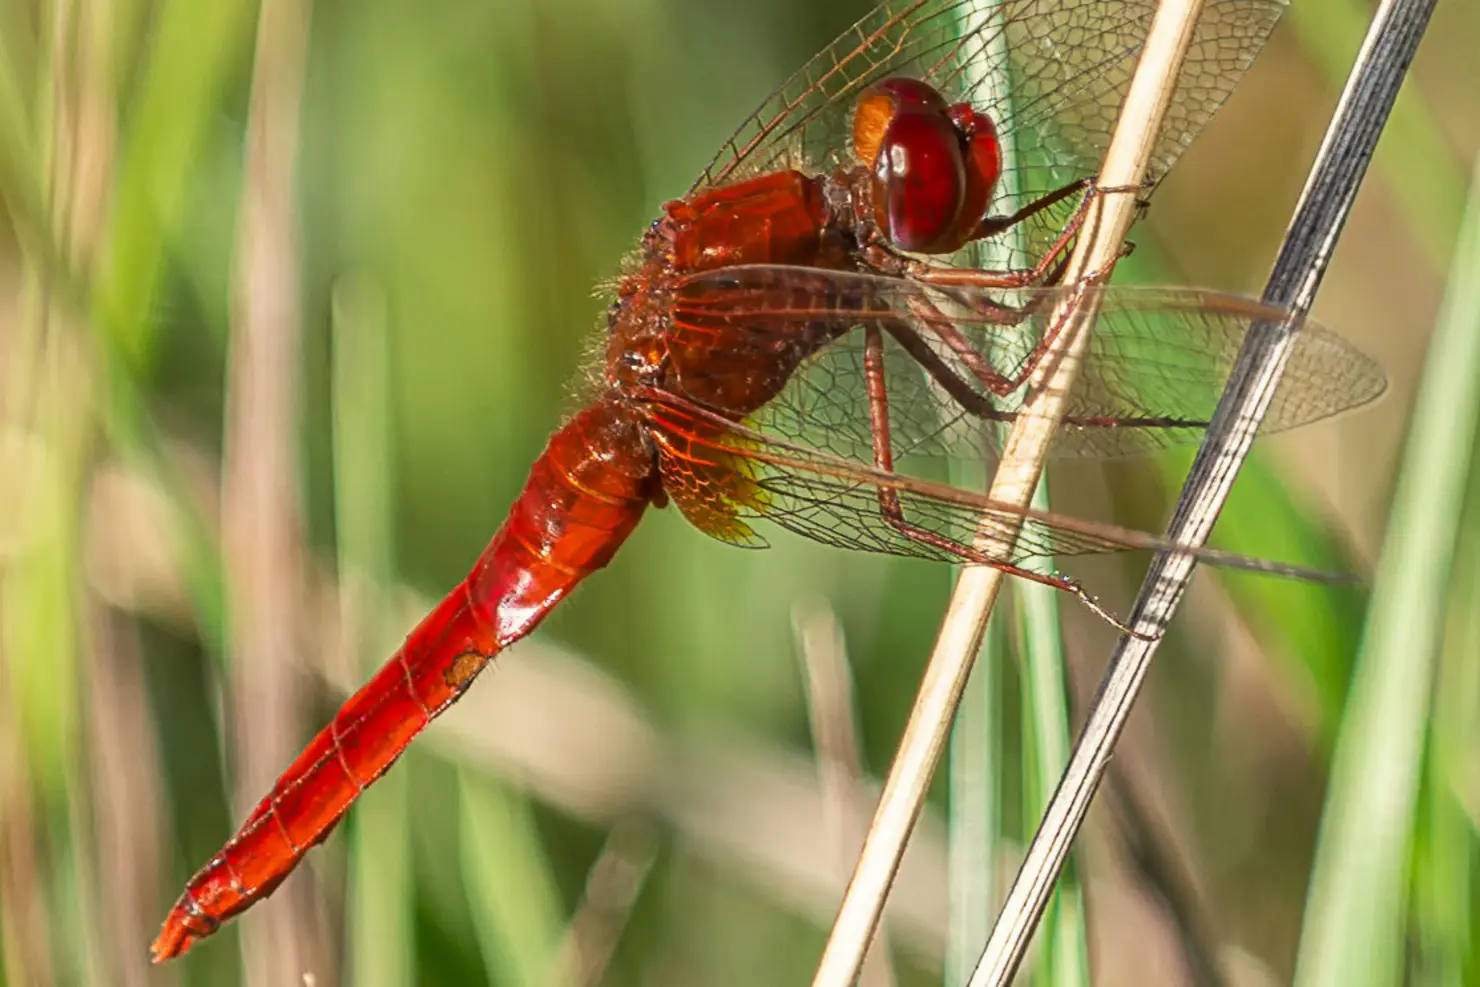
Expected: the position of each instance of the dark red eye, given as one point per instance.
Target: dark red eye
(920, 179)
(934, 166)
(983, 166)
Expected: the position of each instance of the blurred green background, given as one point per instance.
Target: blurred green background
(294, 293)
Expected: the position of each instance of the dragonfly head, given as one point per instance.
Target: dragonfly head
(932, 165)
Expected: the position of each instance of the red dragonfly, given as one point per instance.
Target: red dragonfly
(812, 326)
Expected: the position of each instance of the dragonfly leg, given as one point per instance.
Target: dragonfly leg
(939, 325)
(993, 225)
(974, 403)
(892, 511)
(943, 328)
(1049, 270)
(957, 387)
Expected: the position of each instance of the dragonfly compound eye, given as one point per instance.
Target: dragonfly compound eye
(983, 167)
(919, 180)
(933, 165)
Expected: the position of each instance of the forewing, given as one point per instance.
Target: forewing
(1050, 73)
(1157, 362)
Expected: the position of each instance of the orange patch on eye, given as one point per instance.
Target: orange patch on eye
(870, 120)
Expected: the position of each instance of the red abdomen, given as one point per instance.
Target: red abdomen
(584, 495)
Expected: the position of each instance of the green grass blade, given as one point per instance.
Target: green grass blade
(975, 809)
(1446, 910)
(380, 890)
(1356, 915)
(20, 187)
(1064, 956)
(515, 902)
(1044, 749)
(195, 48)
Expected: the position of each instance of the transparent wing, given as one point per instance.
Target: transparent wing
(1050, 73)
(784, 348)
(722, 475)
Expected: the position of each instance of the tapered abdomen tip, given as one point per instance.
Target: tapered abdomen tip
(174, 939)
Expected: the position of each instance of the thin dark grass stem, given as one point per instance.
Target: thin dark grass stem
(1309, 243)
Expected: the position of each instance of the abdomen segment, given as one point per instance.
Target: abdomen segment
(585, 494)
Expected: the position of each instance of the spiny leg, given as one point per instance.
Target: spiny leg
(993, 225)
(971, 401)
(1049, 269)
(944, 328)
(893, 512)
(956, 386)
